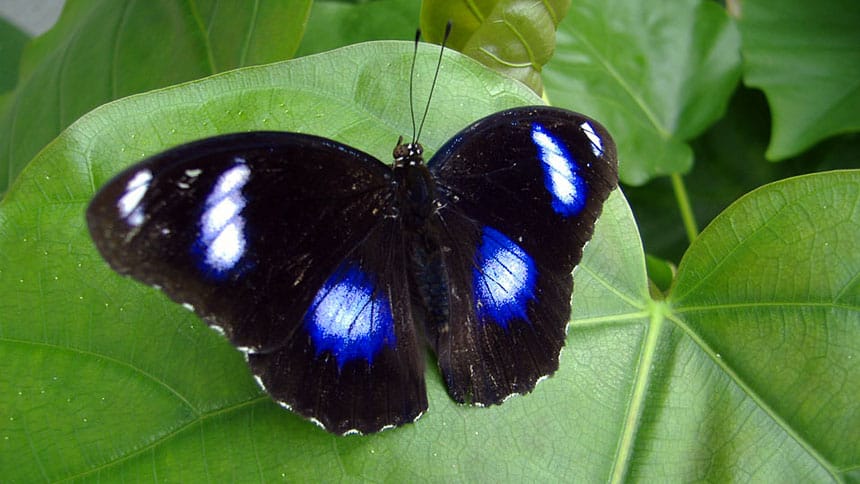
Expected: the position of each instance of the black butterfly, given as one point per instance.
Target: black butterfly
(317, 260)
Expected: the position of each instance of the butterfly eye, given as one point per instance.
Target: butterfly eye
(401, 151)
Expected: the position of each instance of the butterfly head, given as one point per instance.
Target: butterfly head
(408, 153)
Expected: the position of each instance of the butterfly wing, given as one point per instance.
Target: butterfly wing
(371, 375)
(263, 234)
(519, 193)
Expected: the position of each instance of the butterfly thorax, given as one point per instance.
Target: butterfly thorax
(415, 189)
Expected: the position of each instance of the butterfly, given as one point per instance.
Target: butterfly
(332, 271)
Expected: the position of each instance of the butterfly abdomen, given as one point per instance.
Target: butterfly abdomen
(429, 286)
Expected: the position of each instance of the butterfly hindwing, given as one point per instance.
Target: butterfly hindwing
(368, 372)
(519, 193)
(261, 233)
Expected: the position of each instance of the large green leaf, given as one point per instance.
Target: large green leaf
(805, 56)
(656, 73)
(515, 37)
(766, 319)
(107, 379)
(101, 50)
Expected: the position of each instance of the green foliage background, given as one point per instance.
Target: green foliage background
(726, 354)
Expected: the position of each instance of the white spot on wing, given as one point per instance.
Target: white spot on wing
(129, 203)
(596, 142)
(505, 271)
(557, 165)
(317, 423)
(221, 213)
(259, 382)
(227, 247)
(222, 225)
(561, 179)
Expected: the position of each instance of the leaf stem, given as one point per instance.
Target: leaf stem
(684, 205)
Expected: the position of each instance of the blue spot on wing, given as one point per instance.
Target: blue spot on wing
(349, 317)
(561, 178)
(503, 279)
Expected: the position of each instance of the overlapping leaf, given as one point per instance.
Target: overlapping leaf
(335, 24)
(515, 37)
(101, 50)
(655, 73)
(805, 56)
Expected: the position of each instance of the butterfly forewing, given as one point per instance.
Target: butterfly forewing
(519, 193)
(258, 232)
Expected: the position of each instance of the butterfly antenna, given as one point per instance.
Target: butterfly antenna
(435, 76)
(411, 77)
